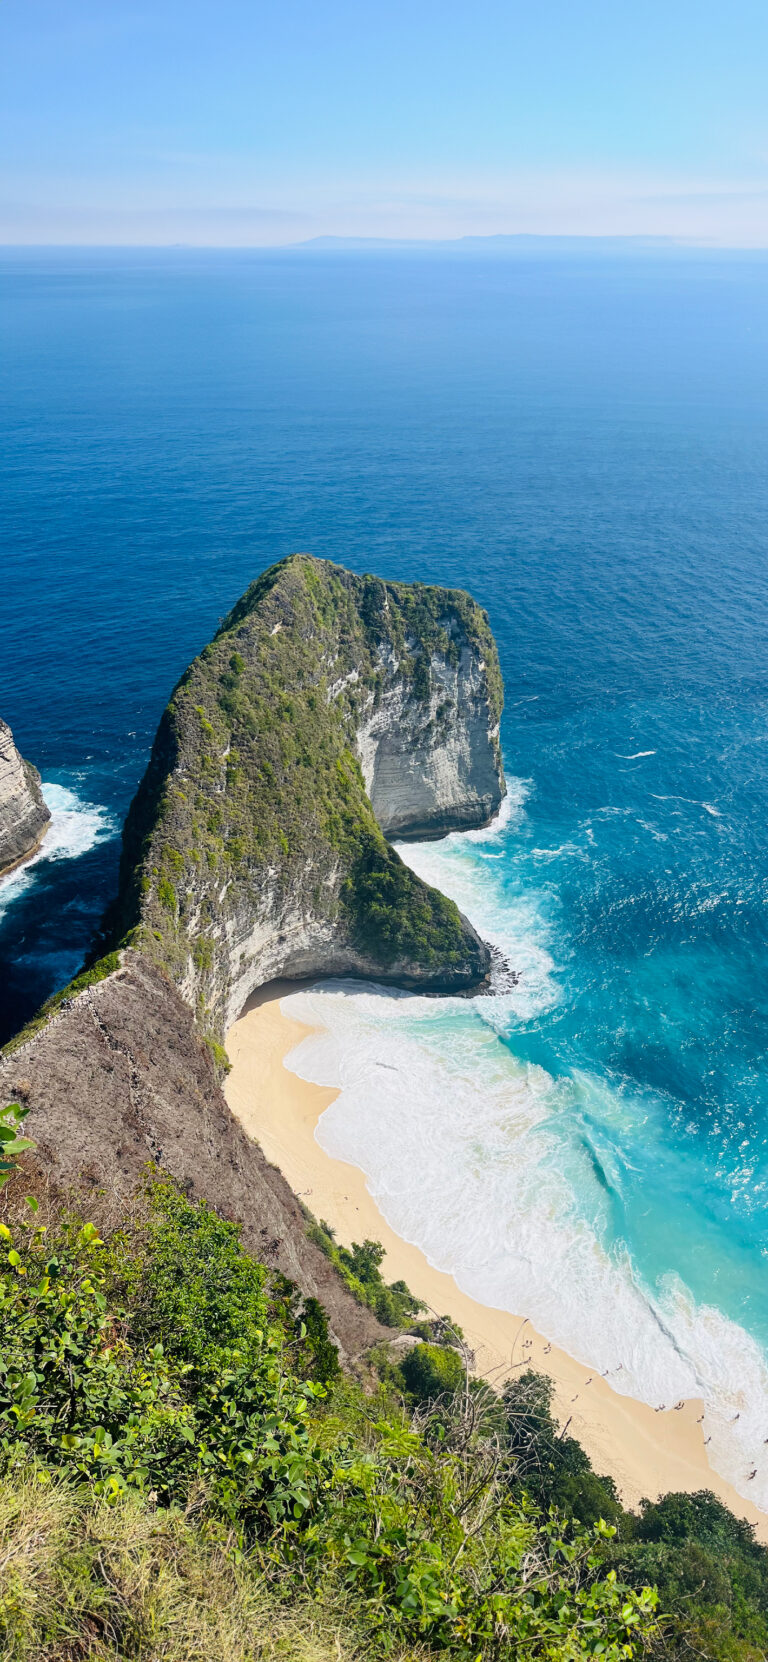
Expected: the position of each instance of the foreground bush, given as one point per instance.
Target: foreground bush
(189, 1382)
(184, 1473)
(711, 1574)
(154, 1372)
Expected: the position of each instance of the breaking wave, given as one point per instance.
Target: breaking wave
(75, 827)
(518, 1179)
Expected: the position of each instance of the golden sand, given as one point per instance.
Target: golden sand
(646, 1452)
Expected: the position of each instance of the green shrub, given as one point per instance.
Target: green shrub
(166, 894)
(179, 1387)
(712, 1575)
(432, 1372)
(219, 1055)
(360, 1269)
(554, 1467)
(159, 1363)
(11, 1144)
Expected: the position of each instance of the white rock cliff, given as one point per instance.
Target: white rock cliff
(23, 813)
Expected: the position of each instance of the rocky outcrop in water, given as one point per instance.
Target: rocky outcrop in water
(330, 712)
(23, 813)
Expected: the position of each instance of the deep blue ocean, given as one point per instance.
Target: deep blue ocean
(582, 441)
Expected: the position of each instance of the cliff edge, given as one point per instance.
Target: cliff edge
(23, 813)
(330, 712)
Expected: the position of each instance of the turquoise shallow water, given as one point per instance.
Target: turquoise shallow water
(584, 444)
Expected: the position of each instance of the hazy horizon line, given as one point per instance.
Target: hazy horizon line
(634, 240)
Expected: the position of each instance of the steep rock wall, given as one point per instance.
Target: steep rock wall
(254, 849)
(431, 764)
(23, 813)
(118, 1077)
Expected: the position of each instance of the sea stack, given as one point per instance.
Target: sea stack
(23, 813)
(330, 713)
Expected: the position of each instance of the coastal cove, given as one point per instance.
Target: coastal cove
(587, 1146)
(646, 1453)
(383, 832)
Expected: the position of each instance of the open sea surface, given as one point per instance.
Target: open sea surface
(583, 441)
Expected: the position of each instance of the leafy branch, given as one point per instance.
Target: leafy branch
(11, 1144)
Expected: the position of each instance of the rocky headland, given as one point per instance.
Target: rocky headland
(23, 814)
(330, 712)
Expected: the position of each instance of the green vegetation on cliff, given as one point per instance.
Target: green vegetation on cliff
(161, 1420)
(185, 1476)
(360, 1270)
(254, 794)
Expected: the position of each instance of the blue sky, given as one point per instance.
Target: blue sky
(269, 121)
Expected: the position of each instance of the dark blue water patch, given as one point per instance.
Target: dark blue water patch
(581, 443)
(47, 931)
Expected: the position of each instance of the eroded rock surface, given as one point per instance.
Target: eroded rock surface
(330, 712)
(23, 813)
(431, 765)
(118, 1077)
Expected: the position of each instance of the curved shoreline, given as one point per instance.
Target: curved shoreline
(647, 1453)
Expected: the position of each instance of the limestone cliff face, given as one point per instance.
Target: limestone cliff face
(431, 765)
(330, 710)
(23, 814)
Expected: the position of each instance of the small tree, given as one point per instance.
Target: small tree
(432, 1371)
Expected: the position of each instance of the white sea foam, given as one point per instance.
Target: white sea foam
(454, 865)
(692, 801)
(75, 826)
(460, 1148)
(510, 809)
(467, 1154)
(572, 850)
(636, 754)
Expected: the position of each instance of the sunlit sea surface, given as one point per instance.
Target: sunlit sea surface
(583, 443)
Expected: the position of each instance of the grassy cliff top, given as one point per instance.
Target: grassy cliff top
(254, 780)
(367, 613)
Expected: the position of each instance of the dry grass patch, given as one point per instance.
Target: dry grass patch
(80, 1579)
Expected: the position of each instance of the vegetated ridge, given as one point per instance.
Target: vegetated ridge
(253, 849)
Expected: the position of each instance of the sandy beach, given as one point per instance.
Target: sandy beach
(647, 1453)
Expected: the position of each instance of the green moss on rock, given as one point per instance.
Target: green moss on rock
(254, 785)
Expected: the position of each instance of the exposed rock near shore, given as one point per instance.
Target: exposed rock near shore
(330, 709)
(23, 813)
